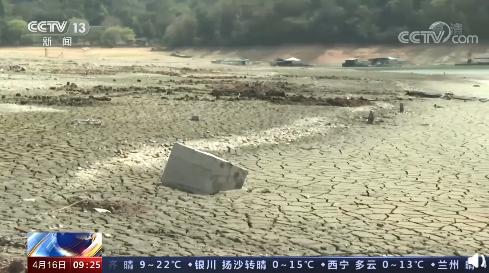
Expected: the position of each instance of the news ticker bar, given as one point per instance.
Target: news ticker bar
(255, 264)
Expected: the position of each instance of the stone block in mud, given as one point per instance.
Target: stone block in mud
(371, 117)
(423, 94)
(194, 171)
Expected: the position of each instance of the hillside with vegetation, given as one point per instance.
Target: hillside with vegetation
(244, 22)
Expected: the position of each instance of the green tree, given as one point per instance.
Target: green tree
(250, 22)
(206, 27)
(2, 9)
(116, 35)
(2, 29)
(2, 22)
(15, 29)
(95, 11)
(182, 31)
(227, 16)
(94, 36)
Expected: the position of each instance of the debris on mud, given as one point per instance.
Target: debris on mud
(61, 100)
(91, 69)
(292, 61)
(102, 98)
(89, 121)
(258, 90)
(232, 61)
(451, 96)
(73, 89)
(13, 68)
(99, 210)
(192, 98)
(16, 68)
(446, 96)
(113, 206)
(10, 242)
(282, 93)
(334, 77)
(337, 101)
(14, 266)
(180, 55)
(423, 94)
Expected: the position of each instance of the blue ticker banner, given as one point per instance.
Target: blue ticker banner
(64, 244)
(386, 264)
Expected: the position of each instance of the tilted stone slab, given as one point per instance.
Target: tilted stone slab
(194, 171)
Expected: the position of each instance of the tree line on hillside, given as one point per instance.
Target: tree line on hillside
(243, 22)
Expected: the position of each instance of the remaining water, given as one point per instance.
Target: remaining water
(482, 70)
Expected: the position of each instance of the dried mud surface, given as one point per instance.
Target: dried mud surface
(321, 181)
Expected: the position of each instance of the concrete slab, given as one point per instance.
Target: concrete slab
(194, 171)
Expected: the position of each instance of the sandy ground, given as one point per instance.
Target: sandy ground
(321, 181)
